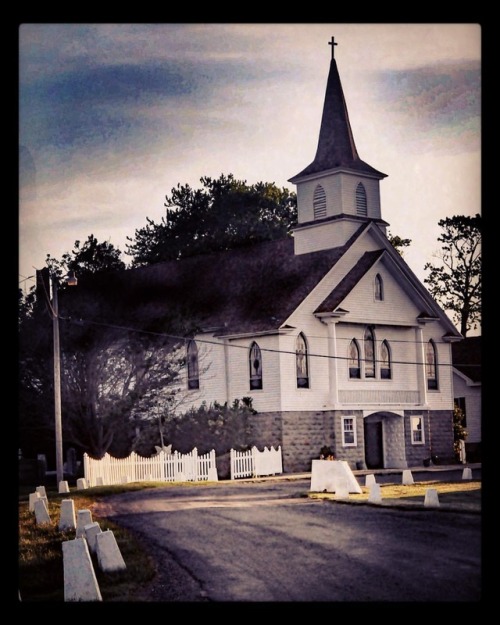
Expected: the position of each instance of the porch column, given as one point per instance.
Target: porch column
(226, 371)
(332, 360)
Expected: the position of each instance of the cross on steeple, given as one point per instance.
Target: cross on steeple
(332, 43)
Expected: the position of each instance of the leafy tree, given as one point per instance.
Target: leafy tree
(88, 259)
(460, 432)
(35, 378)
(225, 213)
(109, 372)
(456, 283)
(398, 243)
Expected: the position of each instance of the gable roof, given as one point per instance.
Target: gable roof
(345, 286)
(246, 290)
(336, 147)
(466, 356)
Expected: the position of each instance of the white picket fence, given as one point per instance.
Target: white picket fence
(255, 463)
(163, 467)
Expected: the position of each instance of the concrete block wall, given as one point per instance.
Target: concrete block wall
(441, 426)
(301, 435)
(265, 430)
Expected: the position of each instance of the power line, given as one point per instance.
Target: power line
(219, 344)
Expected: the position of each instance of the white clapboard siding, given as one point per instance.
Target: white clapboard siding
(163, 467)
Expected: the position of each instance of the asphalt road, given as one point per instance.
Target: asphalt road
(266, 542)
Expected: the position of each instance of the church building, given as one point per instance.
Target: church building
(329, 331)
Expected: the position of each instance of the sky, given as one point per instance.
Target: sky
(112, 117)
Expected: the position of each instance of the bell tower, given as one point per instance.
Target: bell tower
(337, 191)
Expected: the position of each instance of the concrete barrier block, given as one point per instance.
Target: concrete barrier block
(41, 512)
(341, 488)
(81, 483)
(63, 487)
(467, 473)
(431, 498)
(374, 495)
(326, 473)
(91, 530)
(80, 582)
(67, 520)
(33, 497)
(109, 556)
(83, 518)
(407, 478)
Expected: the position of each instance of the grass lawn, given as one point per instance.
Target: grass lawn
(41, 576)
(466, 494)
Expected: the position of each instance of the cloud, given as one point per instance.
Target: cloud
(437, 103)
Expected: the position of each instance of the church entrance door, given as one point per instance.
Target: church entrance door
(374, 447)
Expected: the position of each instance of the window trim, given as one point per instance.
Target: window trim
(414, 430)
(361, 200)
(193, 368)
(319, 202)
(354, 342)
(301, 337)
(255, 381)
(378, 288)
(432, 382)
(373, 360)
(385, 343)
(352, 418)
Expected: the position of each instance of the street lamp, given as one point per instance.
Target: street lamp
(72, 281)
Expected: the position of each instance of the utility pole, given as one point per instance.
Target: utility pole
(57, 383)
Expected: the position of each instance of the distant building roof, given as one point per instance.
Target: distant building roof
(467, 357)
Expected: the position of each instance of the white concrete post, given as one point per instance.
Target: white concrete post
(33, 497)
(91, 530)
(80, 582)
(63, 487)
(81, 483)
(370, 480)
(109, 556)
(467, 473)
(374, 494)
(41, 490)
(83, 518)
(407, 477)
(41, 512)
(67, 520)
(431, 498)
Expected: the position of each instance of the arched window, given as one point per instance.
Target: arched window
(361, 203)
(369, 342)
(354, 360)
(319, 202)
(192, 365)
(255, 363)
(385, 361)
(379, 288)
(301, 362)
(431, 366)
